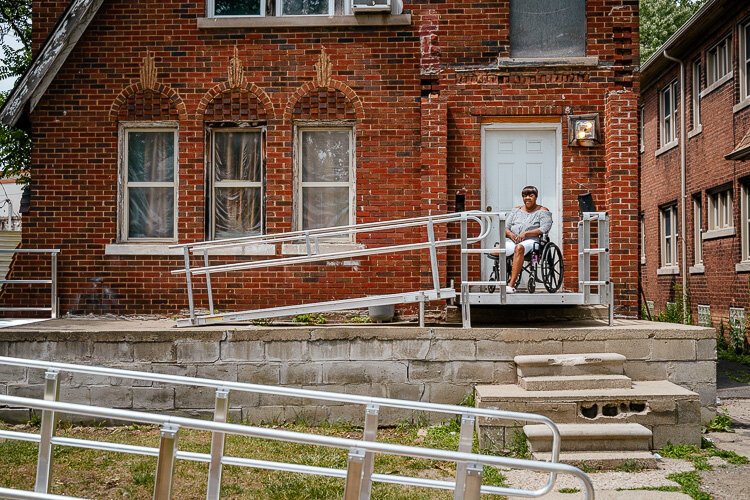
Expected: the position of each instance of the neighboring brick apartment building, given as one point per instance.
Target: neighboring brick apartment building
(711, 220)
(139, 113)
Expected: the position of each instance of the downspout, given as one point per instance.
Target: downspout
(683, 175)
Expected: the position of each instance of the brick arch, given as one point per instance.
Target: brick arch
(224, 87)
(131, 91)
(310, 87)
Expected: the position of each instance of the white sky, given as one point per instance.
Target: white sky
(7, 83)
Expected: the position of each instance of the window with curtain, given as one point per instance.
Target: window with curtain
(325, 158)
(547, 28)
(149, 187)
(237, 207)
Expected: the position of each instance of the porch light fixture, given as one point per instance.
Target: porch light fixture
(584, 130)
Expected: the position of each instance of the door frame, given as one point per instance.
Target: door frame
(555, 127)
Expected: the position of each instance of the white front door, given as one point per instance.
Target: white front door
(518, 156)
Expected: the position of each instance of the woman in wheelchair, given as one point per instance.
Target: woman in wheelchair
(526, 230)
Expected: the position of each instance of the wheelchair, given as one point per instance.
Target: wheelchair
(543, 263)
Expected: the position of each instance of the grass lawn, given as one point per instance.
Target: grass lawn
(97, 474)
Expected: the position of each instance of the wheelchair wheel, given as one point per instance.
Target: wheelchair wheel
(494, 276)
(531, 284)
(552, 267)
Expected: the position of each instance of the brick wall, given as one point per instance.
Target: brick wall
(718, 284)
(382, 79)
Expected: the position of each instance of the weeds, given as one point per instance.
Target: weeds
(699, 456)
(720, 423)
(311, 319)
(519, 446)
(678, 312)
(568, 490)
(360, 319)
(690, 482)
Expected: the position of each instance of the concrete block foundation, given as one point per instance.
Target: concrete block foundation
(438, 364)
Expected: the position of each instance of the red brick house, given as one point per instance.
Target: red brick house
(164, 122)
(696, 232)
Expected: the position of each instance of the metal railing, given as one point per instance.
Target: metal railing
(314, 240)
(358, 475)
(603, 286)
(52, 282)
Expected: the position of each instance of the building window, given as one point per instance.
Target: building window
(237, 175)
(696, 91)
(668, 218)
(744, 63)
(719, 61)
(149, 190)
(326, 188)
(642, 129)
(720, 210)
(668, 101)
(547, 28)
(704, 316)
(745, 218)
(234, 8)
(697, 232)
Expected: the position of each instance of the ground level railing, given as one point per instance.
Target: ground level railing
(54, 307)
(359, 474)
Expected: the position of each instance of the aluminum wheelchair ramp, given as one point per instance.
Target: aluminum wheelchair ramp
(314, 241)
(317, 307)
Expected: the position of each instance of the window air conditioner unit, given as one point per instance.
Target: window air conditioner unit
(367, 6)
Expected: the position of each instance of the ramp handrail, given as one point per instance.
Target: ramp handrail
(170, 426)
(604, 287)
(313, 238)
(54, 303)
(223, 388)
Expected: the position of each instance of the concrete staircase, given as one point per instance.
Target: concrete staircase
(605, 418)
(8, 240)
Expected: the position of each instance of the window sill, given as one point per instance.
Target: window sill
(667, 147)
(155, 249)
(524, 62)
(718, 83)
(742, 267)
(697, 269)
(301, 249)
(664, 271)
(305, 21)
(697, 130)
(741, 105)
(718, 233)
(141, 249)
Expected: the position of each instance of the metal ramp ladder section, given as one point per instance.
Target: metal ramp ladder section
(315, 243)
(597, 290)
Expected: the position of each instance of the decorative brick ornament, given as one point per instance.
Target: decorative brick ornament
(236, 73)
(323, 70)
(148, 72)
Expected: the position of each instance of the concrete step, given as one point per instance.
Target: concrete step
(572, 382)
(604, 363)
(590, 437)
(670, 411)
(603, 460)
